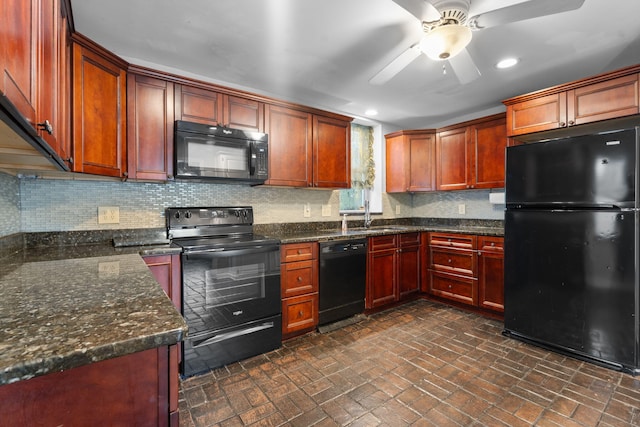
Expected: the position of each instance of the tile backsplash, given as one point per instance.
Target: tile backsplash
(35, 205)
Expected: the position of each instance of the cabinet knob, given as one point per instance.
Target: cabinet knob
(562, 124)
(299, 279)
(571, 123)
(300, 313)
(449, 260)
(299, 251)
(479, 253)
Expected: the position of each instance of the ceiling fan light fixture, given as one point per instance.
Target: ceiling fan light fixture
(446, 41)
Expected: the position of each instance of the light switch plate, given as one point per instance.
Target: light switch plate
(307, 210)
(108, 215)
(462, 209)
(326, 210)
(397, 209)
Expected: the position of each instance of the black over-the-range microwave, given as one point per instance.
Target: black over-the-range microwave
(216, 153)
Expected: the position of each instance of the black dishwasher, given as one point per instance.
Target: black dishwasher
(343, 270)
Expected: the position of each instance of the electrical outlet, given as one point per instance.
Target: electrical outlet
(307, 210)
(397, 209)
(462, 209)
(108, 215)
(326, 210)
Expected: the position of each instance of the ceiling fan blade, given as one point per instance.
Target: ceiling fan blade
(521, 11)
(397, 65)
(464, 67)
(421, 9)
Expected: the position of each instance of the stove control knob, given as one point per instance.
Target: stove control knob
(244, 213)
(187, 214)
(177, 215)
(237, 214)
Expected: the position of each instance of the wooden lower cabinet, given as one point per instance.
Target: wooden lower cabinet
(166, 270)
(491, 273)
(137, 389)
(299, 288)
(393, 268)
(467, 269)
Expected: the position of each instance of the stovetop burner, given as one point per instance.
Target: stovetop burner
(213, 227)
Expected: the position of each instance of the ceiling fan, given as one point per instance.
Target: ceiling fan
(448, 28)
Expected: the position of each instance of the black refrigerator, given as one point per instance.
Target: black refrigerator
(571, 247)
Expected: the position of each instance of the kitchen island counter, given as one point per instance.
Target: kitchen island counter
(67, 307)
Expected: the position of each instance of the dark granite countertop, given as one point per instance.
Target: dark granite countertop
(67, 306)
(292, 236)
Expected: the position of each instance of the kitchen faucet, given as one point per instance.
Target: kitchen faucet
(367, 215)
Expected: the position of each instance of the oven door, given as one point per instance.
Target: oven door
(230, 286)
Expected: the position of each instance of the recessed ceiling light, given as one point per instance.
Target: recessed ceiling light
(507, 62)
(371, 112)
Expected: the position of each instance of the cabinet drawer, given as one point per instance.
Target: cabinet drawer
(409, 239)
(298, 252)
(462, 241)
(299, 278)
(457, 288)
(299, 313)
(454, 261)
(377, 243)
(491, 244)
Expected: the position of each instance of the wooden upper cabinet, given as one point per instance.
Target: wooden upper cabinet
(198, 105)
(410, 161)
(150, 109)
(471, 155)
(194, 104)
(537, 115)
(243, 113)
(602, 101)
(99, 111)
(290, 138)
(603, 97)
(19, 44)
(331, 153)
(452, 163)
(487, 144)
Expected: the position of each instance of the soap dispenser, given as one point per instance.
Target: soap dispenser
(344, 223)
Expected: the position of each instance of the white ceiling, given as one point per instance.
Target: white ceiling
(322, 53)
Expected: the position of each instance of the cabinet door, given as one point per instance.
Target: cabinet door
(397, 165)
(491, 273)
(536, 115)
(451, 159)
(166, 270)
(290, 139)
(198, 105)
(48, 82)
(150, 128)
(331, 153)
(19, 55)
(381, 278)
(243, 113)
(422, 162)
(488, 142)
(409, 264)
(62, 129)
(99, 114)
(602, 101)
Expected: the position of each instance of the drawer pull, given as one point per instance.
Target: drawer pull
(449, 260)
(300, 313)
(299, 279)
(299, 251)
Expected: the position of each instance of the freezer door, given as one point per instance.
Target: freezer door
(570, 282)
(586, 170)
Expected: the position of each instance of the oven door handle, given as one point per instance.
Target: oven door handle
(235, 252)
(233, 334)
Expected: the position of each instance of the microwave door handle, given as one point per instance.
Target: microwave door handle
(253, 159)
